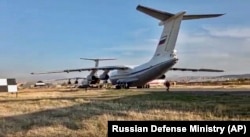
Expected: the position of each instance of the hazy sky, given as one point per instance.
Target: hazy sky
(49, 35)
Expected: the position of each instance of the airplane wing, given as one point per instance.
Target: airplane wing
(86, 69)
(195, 70)
(70, 78)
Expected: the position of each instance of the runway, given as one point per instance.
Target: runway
(201, 90)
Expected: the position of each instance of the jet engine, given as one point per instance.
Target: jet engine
(104, 77)
(69, 82)
(93, 79)
(162, 77)
(76, 82)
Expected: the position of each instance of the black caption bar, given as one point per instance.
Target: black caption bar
(174, 128)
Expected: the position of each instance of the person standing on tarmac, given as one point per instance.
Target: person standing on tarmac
(167, 84)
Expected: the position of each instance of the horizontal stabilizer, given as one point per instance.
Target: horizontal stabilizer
(190, 17)
(195, 70)
(97, 59)
(162, 15)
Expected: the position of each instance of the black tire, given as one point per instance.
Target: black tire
(139, 86)
(126, 86)
(118, 87)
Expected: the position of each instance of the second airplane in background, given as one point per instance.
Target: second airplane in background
(92, 78)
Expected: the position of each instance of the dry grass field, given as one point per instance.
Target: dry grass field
(74, 113)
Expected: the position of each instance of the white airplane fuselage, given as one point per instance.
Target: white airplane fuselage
(144, 73)
(163, 59)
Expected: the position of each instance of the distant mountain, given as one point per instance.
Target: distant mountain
(211, 78)
(235, 76)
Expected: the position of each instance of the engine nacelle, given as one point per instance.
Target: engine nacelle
(93, 79)
(104, 77)
(89, 77)
(162, 77)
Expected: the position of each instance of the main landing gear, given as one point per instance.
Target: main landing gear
(122, 85)
(144, 86)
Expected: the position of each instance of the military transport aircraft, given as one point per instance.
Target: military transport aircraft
(162, 61)
(87, 81)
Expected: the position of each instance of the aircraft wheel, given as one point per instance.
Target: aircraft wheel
(118, 87)
(139, 86)
(126, 86)
(121, 85)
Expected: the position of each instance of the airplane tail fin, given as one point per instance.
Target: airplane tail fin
(171, 23)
